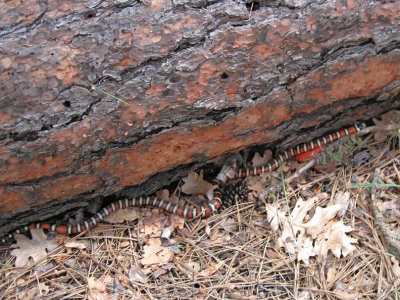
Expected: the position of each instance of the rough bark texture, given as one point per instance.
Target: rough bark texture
(202, 79)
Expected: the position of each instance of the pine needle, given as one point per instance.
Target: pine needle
(108, 94)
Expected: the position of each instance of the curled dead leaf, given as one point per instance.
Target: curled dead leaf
(314, 238)
(336, 240)
(391, 117)
(210, 269)
(196, 185)
(321, 217)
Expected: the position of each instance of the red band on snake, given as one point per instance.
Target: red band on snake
(186, 210)
(302, 157)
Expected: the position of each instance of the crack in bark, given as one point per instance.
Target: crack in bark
(325, 58)
(394, 45)
(9, 30)
(189, 43)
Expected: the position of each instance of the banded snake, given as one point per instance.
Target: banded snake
(188, 211)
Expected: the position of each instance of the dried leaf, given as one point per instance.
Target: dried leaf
(321, 217)
(306, 250)
(157, 273)
(97, 289)
(259, 160)
(275, 216)
(136, 275)
(82, 244)
(343, 199)
(210, 269)
(343, 295)
(36, 248)
(336, 240)
(317, 236)
(396, 266)
(391, 117)
(229, 225)
(196, 185)
(122, 215)
(391, 207)
(207, 227)
(292, 229)
(254, 184)
(304, 295)
(93, 283)
(155, 254)
(163, 194)
(271, 253)
(193, 266)
(124, 244)
(159, 224)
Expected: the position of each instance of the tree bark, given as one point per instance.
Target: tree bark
(202, 79)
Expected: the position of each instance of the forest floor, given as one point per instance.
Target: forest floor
(312, 236)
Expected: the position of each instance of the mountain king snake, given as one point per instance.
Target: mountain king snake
(301, 152)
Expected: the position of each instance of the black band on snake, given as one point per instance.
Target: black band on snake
(188, 211)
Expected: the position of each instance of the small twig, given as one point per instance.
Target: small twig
(251, 9)
(391, 236)
(397, 171)
(301, 170)
(38, 283)
(287, 202)
(284, 191)
(375, 178)
(373, 185)
(370, 129)
(262, 262)
(110, 268)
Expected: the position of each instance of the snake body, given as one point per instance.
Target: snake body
(186, 210)
(299, 151)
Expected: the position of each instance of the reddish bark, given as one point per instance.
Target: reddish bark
(201, 80)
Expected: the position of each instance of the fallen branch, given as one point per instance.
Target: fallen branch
(391, 236)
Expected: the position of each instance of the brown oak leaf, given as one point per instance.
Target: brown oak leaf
(35, 248)
(391, 117)
(196, 185)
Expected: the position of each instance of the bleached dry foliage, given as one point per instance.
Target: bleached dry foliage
(319, 242)
(314, 237)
